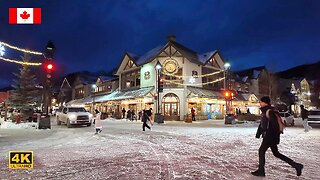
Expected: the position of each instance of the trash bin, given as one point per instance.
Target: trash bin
(158, 118)
(44, 122)
(229, 119)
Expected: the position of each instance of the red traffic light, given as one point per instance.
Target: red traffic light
(50, 66)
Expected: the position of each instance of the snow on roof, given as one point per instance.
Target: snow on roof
(256, 74)
(205, 56)
(150, 54)
(118, 95)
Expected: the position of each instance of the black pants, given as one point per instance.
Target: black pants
(144, 125)
(193, 117)
(274, 148)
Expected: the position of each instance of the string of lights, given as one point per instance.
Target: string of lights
(21, 62)
(20, 49)
(195, 76)
(192, 84)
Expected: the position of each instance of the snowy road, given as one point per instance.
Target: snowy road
(171, 151)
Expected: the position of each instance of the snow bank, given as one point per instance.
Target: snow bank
(11, 125)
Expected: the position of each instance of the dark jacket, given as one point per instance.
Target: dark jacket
(145, 117)
(269, 128)
(304, 113)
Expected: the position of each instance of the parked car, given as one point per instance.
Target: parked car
(74, 116)
(314, 117)
(287, 118)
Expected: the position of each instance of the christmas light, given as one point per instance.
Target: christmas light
(199, 84)
(21, 62)
(2, 50)
(20, 49)
(195, 76)
(192, 80)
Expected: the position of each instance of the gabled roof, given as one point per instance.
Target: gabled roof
(206, 56)
(252, 73)
(107, 78)
(88, 79)
(186, 52)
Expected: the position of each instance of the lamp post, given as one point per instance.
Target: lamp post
(158, 116)
(94, 86)
(158, 67)
(226, 83)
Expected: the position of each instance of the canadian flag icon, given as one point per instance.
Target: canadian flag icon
(24, 15)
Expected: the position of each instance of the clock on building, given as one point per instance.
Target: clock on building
(171, 65)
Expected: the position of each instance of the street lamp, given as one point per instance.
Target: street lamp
(225, 85)
(94, 86)
(158, 67)
(158, 116)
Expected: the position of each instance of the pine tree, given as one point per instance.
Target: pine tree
(25, 94)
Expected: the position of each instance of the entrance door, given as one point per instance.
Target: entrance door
(170, 106)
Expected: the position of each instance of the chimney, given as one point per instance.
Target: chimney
(171, 38)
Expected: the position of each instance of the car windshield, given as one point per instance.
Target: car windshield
(77, 110)
(314, 113)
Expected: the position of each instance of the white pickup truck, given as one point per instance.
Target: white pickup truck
(74, 116)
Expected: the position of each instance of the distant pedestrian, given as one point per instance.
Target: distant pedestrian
(140, 114)
(123, 113)
(145, 119)
(248, 111)
(133, 114)
(97, 122)
(270, 130)
(304, 116)
(193, 114)
(129, 114)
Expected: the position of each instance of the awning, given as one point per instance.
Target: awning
(129, 94)
(80, 102)
(204, 93)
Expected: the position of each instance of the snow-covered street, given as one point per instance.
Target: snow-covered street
(175, 150)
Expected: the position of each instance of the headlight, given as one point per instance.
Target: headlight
(73, 117)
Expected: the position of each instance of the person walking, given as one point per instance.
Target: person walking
(97, 122)
(193, 114)
(270, 131)
(145, 119)
(123, 113)
(304, 116)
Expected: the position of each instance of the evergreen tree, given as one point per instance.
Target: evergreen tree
(25, 94)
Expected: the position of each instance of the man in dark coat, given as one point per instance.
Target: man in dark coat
(270, 131)
(145, 118)
(304, 116)
(123, 113)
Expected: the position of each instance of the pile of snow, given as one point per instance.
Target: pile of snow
(11, 125)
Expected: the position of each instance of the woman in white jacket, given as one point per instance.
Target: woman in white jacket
(98, 123)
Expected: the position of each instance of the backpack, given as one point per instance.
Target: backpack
(280, 121)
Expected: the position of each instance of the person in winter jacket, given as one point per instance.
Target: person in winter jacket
(304, 116)
(123, 113)
(270, 131)
(145, 118)
(98, 123)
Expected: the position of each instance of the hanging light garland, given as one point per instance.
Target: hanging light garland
(20, 49)
(177, 83)
(21, 62)
(195, 76)
(2, 50)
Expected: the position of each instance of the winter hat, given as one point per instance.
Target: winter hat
(265, 99)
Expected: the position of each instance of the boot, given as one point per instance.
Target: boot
(298, 168)
(259, 172)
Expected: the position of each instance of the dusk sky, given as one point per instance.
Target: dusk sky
(93, 35)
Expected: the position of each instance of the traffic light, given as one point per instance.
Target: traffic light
(49, 68)
(160, 84)
(229, 95)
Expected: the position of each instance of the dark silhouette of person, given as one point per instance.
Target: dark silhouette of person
(270, 131)
(145, 118)
(193, 114)
(123, 113)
